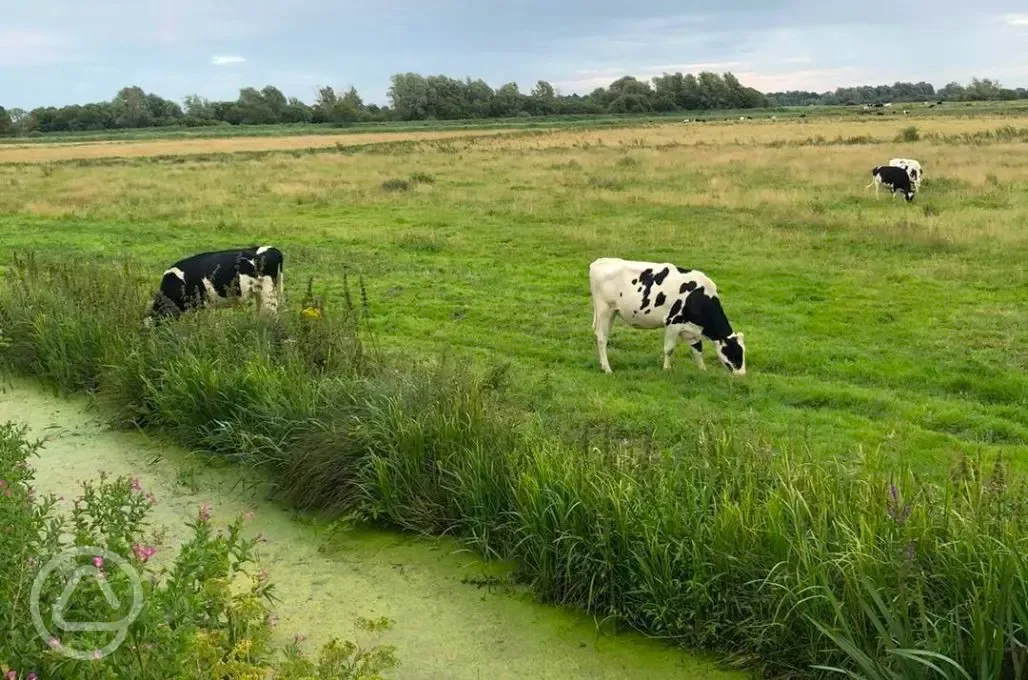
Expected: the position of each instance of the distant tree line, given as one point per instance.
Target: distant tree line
(978, 90)
(411, 96)
(417, 97)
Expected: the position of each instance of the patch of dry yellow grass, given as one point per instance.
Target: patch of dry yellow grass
(40, 153)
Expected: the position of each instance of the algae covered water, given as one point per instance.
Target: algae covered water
(453, 617)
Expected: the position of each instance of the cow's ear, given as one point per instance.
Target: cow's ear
(740, 336)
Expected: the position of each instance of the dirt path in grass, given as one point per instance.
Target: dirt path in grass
(446, 625)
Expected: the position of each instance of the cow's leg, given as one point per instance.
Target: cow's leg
(269, 295)
(603, 321)
(697, 354)
(670, 340)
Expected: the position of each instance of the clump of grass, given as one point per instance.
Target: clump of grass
(425, 242)
(606, 183)
(396, 184)
(908, 134)
(627, 162)
(421, 178)
(726, 542)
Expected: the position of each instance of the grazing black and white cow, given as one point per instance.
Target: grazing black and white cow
(913, 169)
(212, 278)
(652, 295)
(896, 179)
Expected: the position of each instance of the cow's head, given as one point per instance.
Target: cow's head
(909, 195)
(731, 352)
(159, 310)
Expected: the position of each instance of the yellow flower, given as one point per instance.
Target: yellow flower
(311, 313)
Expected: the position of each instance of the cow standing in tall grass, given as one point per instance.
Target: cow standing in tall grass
(216, 277)
(651, 295)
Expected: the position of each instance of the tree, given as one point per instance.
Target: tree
(275, 101)
(408, 96)
(253, 109)
(197, 107)
(507, 101)
(479, 98)
(6, 124)
(131, 109)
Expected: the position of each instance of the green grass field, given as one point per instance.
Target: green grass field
(870, 323)
(697, 507)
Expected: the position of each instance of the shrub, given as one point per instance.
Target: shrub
(908, 134)
(191, 621)
(792, 564)
(421, 178)
(396, 185)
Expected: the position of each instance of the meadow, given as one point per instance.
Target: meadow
(785, 518)
(870, 323)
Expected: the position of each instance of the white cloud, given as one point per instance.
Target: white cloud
(816, 80)
(1016, 19)
(227, 60)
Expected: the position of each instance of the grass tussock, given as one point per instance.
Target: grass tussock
(728, 543)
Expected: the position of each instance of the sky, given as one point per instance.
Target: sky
(57, 52)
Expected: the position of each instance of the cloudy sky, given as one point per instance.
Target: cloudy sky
(55, 52)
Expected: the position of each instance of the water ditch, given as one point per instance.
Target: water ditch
(455, 615)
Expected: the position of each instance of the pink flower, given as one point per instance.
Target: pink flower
(143, 554)
(300, 638)
(3, 484)
(54, 643)
(98, 562)
(11, 675)
(151, 498)
(248, 516)
(31, 676)
(262, 575)
(135, 484)
(205, 512)
(97, 654)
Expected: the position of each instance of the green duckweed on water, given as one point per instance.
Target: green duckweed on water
(454, 616)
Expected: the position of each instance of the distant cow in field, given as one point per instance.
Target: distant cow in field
(651, 295)
(214, 277)
(895, 178)
(913, 169)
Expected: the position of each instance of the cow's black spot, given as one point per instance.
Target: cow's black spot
(635, 281)
(621, 295)
(661, 275)
(687, 287)
(683, 271)
(675, 308)
(647, 279)
(648, 311)
(661, 298)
